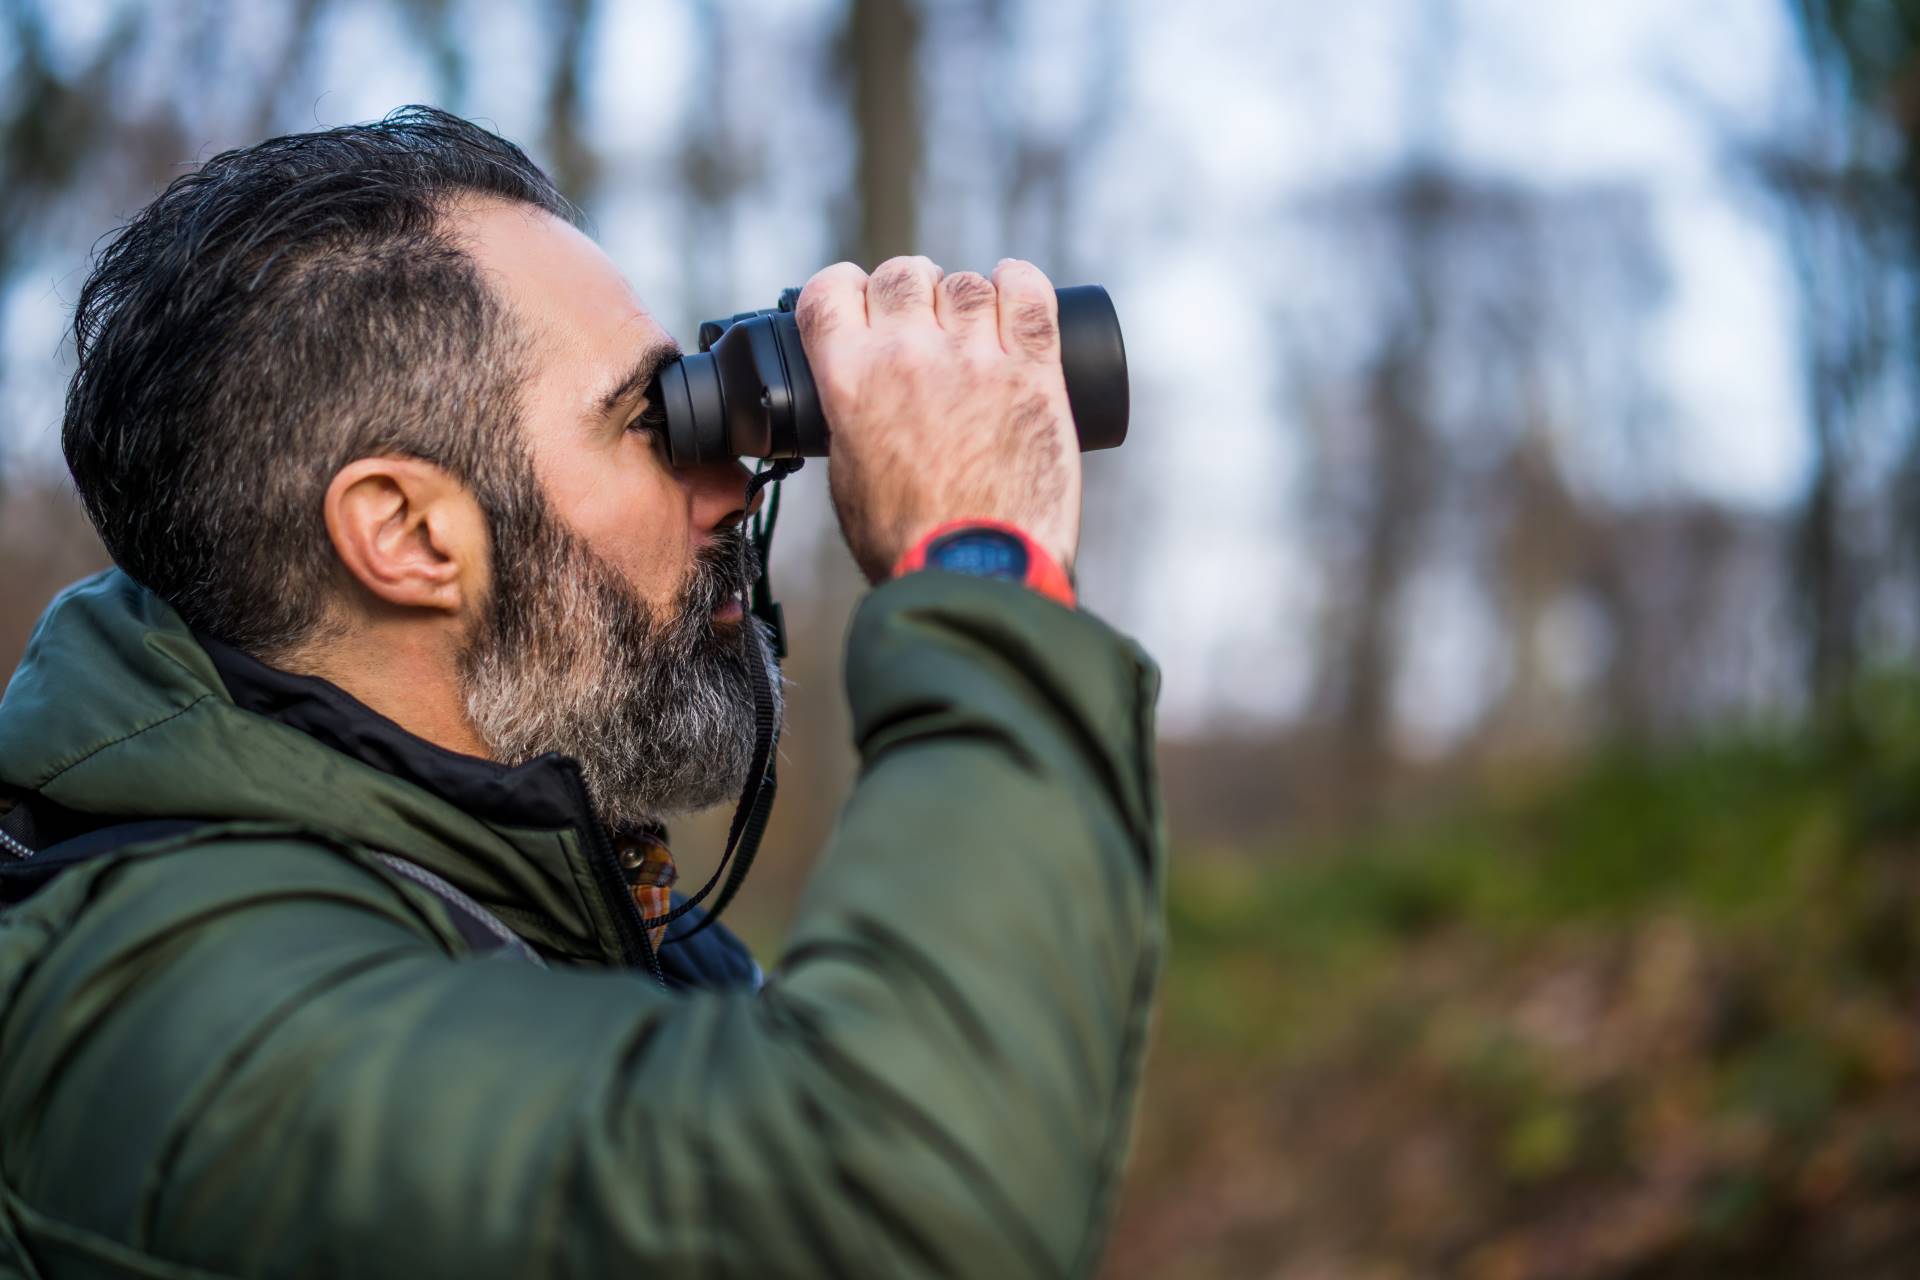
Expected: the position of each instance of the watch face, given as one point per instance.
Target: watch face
(984, 553)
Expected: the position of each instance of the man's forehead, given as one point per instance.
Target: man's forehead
(556, 281)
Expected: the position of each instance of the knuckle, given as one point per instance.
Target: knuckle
(898, 281)
(915, 262)
(1023, 279)
(813, 314)
(827, 278)
(911, 266)
(816, 310)
(969, 292)
(1034, 327)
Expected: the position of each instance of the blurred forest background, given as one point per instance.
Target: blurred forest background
(1523, 498)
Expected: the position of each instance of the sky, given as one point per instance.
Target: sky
(1223, 114)
(1256, 103)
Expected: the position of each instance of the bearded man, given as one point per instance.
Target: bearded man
(346, 957)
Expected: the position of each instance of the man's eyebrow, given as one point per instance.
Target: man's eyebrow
(636, 379)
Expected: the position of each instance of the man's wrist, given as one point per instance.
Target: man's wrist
(989, 549)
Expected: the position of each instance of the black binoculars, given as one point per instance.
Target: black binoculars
(749, 392)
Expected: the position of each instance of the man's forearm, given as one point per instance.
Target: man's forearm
(980, 942)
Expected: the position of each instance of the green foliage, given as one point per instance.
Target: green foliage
(1740, 831)
(1673, 992)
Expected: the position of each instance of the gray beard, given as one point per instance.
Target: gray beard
(658, 712)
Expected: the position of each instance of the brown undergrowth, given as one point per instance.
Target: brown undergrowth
(1657, 1022)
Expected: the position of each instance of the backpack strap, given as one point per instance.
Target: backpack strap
(25, 871)
(482, 930)
(715, 958)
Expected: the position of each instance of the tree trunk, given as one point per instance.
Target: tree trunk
(881, 49)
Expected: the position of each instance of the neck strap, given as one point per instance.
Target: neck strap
(769, 646)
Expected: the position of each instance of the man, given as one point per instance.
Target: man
(414, 637)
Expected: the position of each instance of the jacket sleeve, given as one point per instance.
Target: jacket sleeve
(937, 1079)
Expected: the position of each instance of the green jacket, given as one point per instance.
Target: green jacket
(257, 1050)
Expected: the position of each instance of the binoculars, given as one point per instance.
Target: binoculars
(749, 393)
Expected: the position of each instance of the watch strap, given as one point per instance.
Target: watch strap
(993, 549)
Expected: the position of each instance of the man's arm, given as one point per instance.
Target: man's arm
(935, 1081)
(984, 934)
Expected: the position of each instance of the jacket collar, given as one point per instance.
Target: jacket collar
(545, 792)
(120, 713)
(539, 793)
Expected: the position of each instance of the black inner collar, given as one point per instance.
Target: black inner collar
(535, 794)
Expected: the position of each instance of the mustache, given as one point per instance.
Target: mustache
(724, 569)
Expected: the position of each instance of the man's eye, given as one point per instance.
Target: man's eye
(652, 420)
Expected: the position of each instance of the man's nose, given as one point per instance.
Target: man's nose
(718, 494)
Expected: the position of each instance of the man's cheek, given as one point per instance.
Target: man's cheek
(655, 570)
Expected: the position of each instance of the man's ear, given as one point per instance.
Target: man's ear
(408, 532)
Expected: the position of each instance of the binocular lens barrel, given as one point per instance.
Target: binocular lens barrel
(749, 393)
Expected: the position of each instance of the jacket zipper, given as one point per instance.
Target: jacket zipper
(14, 847)
(634, 946)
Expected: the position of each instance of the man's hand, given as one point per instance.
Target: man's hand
(947, 402)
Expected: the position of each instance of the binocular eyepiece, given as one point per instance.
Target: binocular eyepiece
(749, 392)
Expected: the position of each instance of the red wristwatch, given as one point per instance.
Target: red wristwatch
(990, 549)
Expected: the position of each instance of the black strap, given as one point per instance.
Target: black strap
(756, 797)
(749, 816)
(750, 819)
(716, 959)
(764, 606)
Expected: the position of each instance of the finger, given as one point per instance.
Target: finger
(901, 291)
(967, 306)
(1029, 312)
(834, 299)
